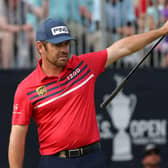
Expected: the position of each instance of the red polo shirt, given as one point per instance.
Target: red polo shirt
(62, 107)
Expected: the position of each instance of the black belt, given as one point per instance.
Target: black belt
(79, 151)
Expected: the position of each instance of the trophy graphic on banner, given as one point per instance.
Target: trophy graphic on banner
(120, 110)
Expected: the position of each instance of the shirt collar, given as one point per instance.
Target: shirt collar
(42, 76)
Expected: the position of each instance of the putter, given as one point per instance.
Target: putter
(121, 85)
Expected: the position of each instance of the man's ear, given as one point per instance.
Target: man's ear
(39, 47)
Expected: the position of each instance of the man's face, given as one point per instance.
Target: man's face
(56, 54)
(151, 161)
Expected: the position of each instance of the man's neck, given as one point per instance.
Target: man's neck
(51, 70)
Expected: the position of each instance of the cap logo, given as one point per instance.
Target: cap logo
(59, 30)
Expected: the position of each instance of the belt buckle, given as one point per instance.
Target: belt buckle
(75, 152)
(62, 154)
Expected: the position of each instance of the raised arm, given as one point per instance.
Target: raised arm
(17, 145)
(131, 44)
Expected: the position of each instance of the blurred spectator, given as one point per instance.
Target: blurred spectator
(76, 26)
(120, 17)
(5, 39)
(162, 48)
(164, 12)
(86, 9)
(95, 36)
(59, 9)
(161, 4)
(164, 63)
(87, 20)
(152, 21)
(129, 28)
(14, 26)
(152, 16)
(36, 11)
(121, 22)
(113, 19)
(129, 15)
(7, 27)
(15, 50)
(141, 7)
(151, 157)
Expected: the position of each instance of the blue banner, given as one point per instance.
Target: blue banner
(137, 116)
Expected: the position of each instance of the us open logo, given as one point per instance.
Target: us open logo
(59, 30)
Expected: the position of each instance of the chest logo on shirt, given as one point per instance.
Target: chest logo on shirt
(73, 74)
(41, 91)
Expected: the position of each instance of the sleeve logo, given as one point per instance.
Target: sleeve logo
(16, 109)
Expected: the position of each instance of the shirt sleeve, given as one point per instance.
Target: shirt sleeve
(22, 108)
(96, 61)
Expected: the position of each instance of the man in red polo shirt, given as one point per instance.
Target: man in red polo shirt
(59, 96)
